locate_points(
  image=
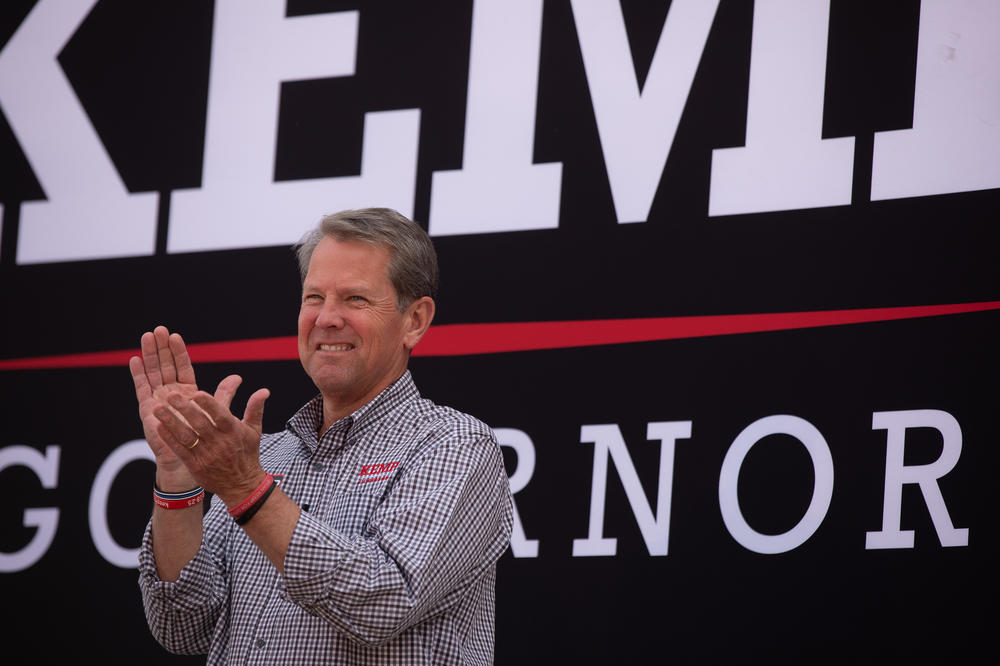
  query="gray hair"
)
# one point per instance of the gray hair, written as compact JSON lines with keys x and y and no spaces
{"x":413,"y":268}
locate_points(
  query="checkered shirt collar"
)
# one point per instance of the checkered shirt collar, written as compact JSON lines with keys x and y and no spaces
{"x":306,"y":422}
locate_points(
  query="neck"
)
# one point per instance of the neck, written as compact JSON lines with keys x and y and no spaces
{"x":336,"y":407}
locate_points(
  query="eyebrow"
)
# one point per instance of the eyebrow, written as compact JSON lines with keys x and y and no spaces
{"x":353,"y":286}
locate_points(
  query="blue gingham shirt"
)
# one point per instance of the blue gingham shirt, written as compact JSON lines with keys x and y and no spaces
{"x":406,"y":509}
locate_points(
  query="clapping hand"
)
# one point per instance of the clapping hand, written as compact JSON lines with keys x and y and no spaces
{"x":163,"y":370}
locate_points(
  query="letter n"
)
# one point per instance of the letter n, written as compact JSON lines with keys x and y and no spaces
{"x":655,"y":527}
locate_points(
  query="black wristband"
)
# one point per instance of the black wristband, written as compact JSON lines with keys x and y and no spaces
{"x":245,"y":517}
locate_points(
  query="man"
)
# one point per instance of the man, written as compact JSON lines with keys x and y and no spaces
{"x":380,"y":543}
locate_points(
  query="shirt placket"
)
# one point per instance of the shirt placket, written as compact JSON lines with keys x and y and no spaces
{"x":323,"y":467}
{"x":307,"y":481}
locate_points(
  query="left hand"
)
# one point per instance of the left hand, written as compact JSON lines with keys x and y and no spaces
{"x":226,"y":459}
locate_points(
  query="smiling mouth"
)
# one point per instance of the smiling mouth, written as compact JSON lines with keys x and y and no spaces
{"x":338,"y":347}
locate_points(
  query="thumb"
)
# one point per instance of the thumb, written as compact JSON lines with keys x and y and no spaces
{"x":253,"y":416}
{"x":227,"y":389}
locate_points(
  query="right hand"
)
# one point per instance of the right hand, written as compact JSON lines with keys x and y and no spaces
{"x":164,"y":368}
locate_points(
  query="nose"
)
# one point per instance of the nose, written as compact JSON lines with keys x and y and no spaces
{"x":330,"y":315}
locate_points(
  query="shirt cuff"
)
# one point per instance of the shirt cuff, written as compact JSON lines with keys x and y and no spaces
{"x":193,"y":585}
{"x":315,"y":553}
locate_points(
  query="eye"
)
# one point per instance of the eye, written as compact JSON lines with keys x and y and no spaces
{"x":312,"y":298}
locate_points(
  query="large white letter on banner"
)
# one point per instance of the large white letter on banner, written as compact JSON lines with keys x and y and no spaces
{"x":955,"y":140}
{"x":897,"y":474}
{"x":729,"y":501}
{"x":254,"y":49}
{"x":498,"y":188}
{"x":137,"y":449}
{"x":636,"y":127}
{"x":518,"y":440}
{"x":785,"y":164}
{"x":89,"y":214}
{"x":655,"y":528}
{"x":46,"y":467}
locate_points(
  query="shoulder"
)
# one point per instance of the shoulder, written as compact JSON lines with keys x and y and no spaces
{"x":440,"y":422}
{"x":447,"y":436}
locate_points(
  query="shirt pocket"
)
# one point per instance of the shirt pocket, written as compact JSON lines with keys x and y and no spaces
{"x":348,"y":513}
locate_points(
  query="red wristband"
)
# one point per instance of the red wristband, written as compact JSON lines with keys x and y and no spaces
{"x":254,"y":496}
{"x":178,"y":500}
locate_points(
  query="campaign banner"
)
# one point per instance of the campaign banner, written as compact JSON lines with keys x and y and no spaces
{"x":721,"y":275}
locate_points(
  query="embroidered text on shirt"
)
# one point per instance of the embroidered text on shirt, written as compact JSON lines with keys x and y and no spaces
{"x":376,"y":472}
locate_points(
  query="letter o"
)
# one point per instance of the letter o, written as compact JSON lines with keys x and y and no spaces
{"x":822,"y":462}
{"x":137,"y":449}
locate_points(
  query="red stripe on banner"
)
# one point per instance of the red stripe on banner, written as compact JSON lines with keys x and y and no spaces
{"x":260,"y":349}
{"x":467,"y":339}
{"x":462,"y":339}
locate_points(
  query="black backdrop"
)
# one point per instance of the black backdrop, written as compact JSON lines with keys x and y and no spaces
{"x":141,"y":73}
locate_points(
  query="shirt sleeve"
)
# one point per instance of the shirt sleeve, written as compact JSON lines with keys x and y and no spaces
{"x":183,"y":614}
{"x":437,"y":533}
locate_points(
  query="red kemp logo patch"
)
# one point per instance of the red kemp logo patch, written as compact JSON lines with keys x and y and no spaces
{"x":377,"y":472}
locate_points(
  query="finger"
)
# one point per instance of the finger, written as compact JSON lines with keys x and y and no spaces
{"x":150,"y":360}
{"x":168,"y":368}
{"x":180,"y":432}
{"x":181,"y":448}
{"x":227,"y":389}
{"x":253,"y":415}
{"x":195,"y":417}
{"x":182,"y":362}
{"x":218,"y":413}
{"x":143,"y":390}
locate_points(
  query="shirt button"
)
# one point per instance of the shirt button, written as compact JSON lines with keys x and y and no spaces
{"x":260,"y":642}
{"x":318,"y":467}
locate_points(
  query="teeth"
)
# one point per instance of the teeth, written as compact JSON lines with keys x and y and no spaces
{"x":341,"y":347}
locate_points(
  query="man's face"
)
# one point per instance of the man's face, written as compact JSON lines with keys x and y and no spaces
{"x":352,"y":337}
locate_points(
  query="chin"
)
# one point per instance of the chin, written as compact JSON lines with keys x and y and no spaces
{"x":330,"y":379}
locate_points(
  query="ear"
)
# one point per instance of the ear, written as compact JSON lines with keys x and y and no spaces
{"x":418,"y":318}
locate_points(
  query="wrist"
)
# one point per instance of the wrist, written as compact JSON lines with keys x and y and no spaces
{"x":246,"y":509}
{"x":173,"y":481}
{"x":233,"y":496}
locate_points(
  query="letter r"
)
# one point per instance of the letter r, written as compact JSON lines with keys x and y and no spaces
{"x":926,"y":477}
